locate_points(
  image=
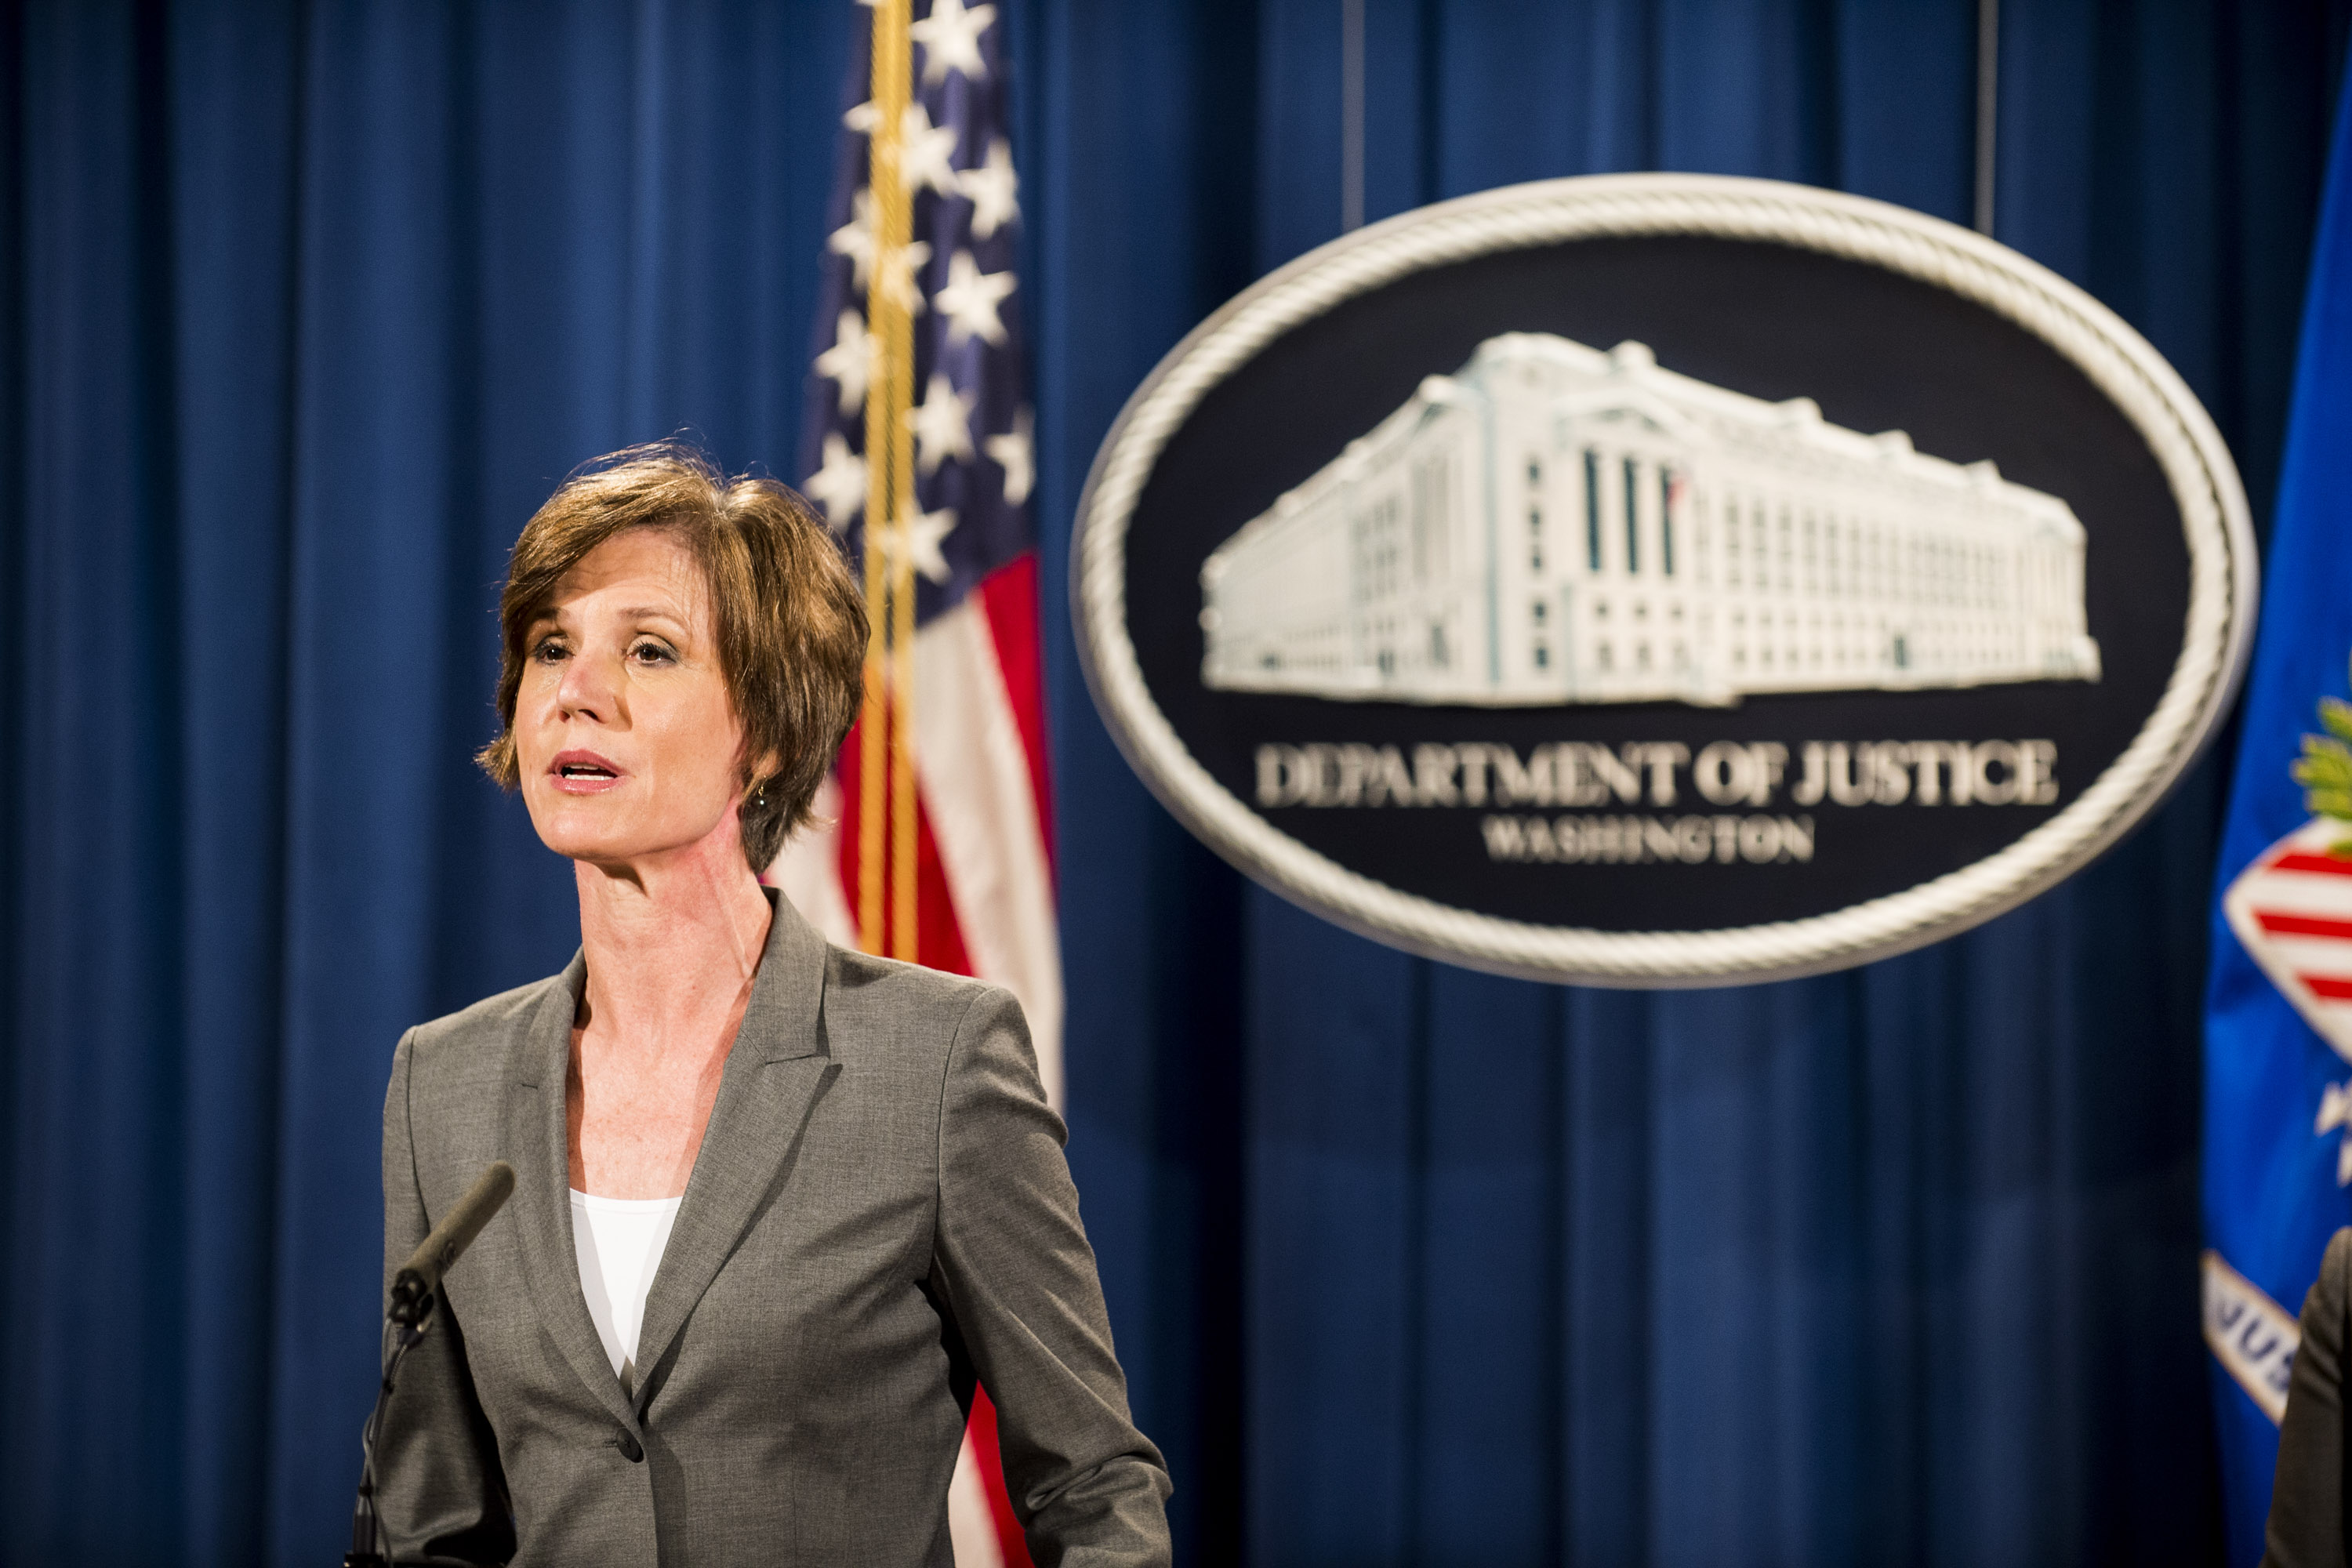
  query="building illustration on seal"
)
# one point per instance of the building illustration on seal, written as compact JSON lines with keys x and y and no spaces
{"x":1554,"y":524}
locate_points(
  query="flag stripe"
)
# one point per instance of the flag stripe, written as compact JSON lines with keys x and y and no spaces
{"x":2302,"y":925}
{"x":2325,"y":865}
{"x":2326,"y":898}
{"x":1010,"y":597}
{"x":940,"y":943}
{"x":2304,"y":956}
{"x":981,"y":1434}
{"x":979,"y":800}
{"x":808,"y":871}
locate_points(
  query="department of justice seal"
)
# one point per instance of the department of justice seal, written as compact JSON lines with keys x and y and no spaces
{"x":1662,"y":580}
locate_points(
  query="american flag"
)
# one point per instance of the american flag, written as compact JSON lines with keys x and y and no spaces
{"x":983,"y":900}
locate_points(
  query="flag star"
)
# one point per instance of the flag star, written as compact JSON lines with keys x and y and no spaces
{"x":969,"y":298}
{"x":926,"y":156}
{"x":855,"y":238}
{"x":992,"y":187}
{"x":950,"y":40}
{"x":1015,"y":452}
{"x":861,"y":118}
{"x":925,"y":532}
{"x":900,"y":271}
{"x":846,"y":363}
{"x":840,"y":485}
{"x":942,"y":425}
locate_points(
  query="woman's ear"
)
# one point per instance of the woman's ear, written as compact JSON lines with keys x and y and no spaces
{"x":761,"y":770}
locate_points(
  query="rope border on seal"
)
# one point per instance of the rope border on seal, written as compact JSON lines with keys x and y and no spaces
{"x":2116,"y":359}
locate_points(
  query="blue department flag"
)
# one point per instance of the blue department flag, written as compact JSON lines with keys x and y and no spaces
{"x":2278,"y":1031}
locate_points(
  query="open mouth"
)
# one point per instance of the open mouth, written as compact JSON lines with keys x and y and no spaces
{"x":583,"y":772}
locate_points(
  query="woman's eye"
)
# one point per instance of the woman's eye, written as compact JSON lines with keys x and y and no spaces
{"x":651,"y":653}
{"x":549,"y":650}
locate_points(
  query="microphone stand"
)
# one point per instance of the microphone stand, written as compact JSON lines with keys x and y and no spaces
{"x":406,"y":1316}
{"x":404,"y":1329}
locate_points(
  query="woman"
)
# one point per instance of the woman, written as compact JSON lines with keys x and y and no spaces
{"x":811,"y":1195}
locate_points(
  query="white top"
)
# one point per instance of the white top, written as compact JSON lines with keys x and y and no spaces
{"x":619,"y":1242}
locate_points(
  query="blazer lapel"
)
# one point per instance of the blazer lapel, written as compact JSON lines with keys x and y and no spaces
{"x":775,"y":1071}
{"x":543,"y":1196}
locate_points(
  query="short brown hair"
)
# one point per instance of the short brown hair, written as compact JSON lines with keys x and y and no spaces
{"x":791,"y":622}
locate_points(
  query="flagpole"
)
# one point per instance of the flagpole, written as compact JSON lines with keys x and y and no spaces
{"x":888,"y":397}
{"x":905,"y":505}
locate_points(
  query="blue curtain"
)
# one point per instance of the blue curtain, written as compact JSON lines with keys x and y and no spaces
{"x":306,"y":306}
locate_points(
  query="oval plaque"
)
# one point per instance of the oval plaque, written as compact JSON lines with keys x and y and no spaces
{"x":1662,"y":580}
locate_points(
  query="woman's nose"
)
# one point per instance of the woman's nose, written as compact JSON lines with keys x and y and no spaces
{"x":589,"y":688}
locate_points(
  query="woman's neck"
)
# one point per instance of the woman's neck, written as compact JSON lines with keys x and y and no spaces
{"x":671,"y":946}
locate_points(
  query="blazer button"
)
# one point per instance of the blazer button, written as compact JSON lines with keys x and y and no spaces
{"x":630,"y":1449}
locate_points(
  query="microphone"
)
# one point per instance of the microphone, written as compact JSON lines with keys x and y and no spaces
{"x":419,"y":1280}
{"x":413,"y":1290}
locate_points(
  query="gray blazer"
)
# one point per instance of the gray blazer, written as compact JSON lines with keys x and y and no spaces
{"x":878,"y":1215}
{"x":2306,"y":1523}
